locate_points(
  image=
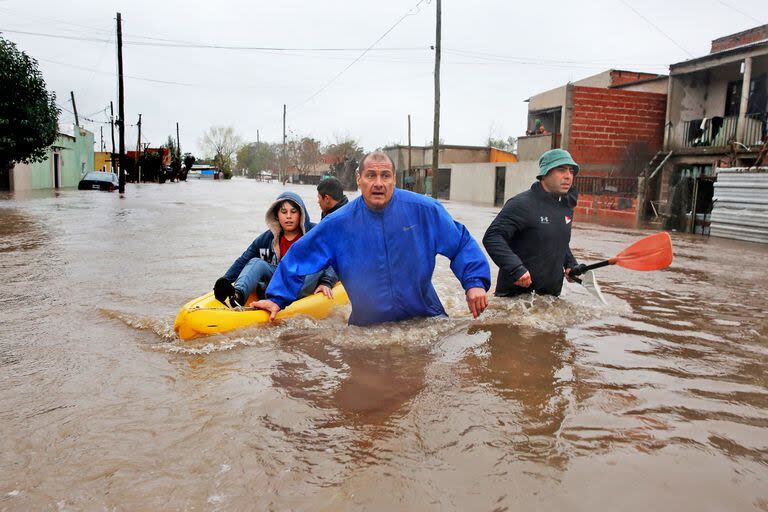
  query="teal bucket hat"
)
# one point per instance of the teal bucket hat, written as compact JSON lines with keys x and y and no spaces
{"x":555,"y":158}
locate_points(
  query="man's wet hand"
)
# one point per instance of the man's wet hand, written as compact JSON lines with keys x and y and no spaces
{"x":477,"y":301}
{"x":524,"y":281}
{"x":266,"y":305}
{"x":325,"y":290}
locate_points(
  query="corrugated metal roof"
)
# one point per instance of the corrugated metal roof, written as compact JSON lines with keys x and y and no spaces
{"x":741,"y":204}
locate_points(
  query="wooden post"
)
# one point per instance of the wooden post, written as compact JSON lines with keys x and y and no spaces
{"x":138,"y":149}
{"x":283,"y":167}
{"x":409,"y":148}
{"x":112,"y":127}
{"x":74,"y":107}
{"x":436,"y":130}
{"x":121,"y":102}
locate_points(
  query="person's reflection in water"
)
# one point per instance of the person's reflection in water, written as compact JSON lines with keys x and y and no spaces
{"x":359,"y":389}
{"x":532,"y":369}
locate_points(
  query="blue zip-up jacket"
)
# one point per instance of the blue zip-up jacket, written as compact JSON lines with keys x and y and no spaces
{"x":267,"y":245}
{"x":385,"y":259}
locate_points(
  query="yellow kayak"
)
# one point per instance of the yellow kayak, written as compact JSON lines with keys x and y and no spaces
{"x":206,"y":315}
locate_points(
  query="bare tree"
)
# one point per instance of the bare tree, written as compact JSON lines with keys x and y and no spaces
{"x":304,"y":154}
{"x":221,"y":143}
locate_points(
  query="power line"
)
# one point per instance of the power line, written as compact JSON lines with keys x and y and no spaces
{"x":410,"y":12}
{"x":657,"y":28}
{"x":740,"y":11}
{"x":180,"y":44}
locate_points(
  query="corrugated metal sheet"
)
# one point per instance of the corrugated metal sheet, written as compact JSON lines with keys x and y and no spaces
{"x":741,"y":204}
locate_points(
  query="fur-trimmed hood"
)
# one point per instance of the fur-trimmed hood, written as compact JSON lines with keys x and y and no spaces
{"x":274,"y":226}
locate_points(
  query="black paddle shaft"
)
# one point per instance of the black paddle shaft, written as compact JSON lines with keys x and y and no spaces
{"x":578,"y":271}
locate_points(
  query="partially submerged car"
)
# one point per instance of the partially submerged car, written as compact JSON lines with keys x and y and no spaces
{"x":97,"y":180}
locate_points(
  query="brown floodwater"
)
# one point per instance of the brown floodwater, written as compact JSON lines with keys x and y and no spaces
{"x":658,"y":400}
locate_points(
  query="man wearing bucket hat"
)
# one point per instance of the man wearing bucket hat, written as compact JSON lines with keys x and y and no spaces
{"x":529,"y":238}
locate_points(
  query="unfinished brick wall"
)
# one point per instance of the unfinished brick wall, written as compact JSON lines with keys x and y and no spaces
{"x":606,"y":122}
{"x":732,"y":41}
{"x":619,"y":77}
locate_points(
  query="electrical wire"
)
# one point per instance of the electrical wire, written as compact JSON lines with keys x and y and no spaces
{"x":657,"y":28}
{"x":410,"y":12}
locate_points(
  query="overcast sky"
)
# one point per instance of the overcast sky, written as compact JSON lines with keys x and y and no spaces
{"x":496,"y":53}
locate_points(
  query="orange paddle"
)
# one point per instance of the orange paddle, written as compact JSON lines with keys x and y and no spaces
{"x":650,"y":253}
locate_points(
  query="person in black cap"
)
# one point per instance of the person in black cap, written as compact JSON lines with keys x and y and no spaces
{"x":529,"y":239}
{"x":330,"y":196}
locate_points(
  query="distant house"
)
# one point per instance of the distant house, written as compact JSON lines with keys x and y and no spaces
{"x":419,"y":176}
{"x":716,"y":118}
{"x":68,"y":159}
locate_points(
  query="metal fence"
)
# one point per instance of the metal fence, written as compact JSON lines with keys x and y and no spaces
{"x":740,"y":206}
{"x":711,"y":132}
{"x":754,"y":129}
{"x":607,"y":185}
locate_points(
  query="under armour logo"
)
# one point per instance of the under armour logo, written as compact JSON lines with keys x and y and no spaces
{"x":544,"y":220}
{"x":408,"y":228}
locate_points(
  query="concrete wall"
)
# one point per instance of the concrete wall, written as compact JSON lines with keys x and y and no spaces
{"x":655,"y":86}
{"x":476,"y":183}
{"x":531,"y":147}
{"x":75,"y":158}
{"x":519,"y":178}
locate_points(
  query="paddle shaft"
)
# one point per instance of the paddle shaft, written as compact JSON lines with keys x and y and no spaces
{"x":599,"y":264}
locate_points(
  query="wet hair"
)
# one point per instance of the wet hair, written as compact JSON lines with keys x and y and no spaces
{"x":281,"y":203}
{"x":331,"y":187}
{"x":378,"y":155}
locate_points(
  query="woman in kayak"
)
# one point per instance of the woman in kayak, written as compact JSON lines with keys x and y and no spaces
{"x":287,"y":220}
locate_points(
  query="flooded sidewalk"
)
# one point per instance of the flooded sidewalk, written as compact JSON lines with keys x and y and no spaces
{"x":659,"y":398}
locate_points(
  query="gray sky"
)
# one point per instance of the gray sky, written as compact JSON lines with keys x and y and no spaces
{"x":495,"y":55}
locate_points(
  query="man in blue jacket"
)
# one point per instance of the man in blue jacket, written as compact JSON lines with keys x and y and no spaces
{"x":383,"y":246}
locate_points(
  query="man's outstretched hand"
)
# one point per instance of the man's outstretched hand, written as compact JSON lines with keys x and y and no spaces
{"x":266,"y":305}
{"x":477,"y":301}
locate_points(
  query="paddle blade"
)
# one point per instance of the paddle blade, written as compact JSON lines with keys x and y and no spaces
{"x":651,"y":253}
{"x":590,"y":283}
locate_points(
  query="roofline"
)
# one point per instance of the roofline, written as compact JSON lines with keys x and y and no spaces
{"x":730,"y":51}
{"x":636,"y":82}
{"x":439,"y":146}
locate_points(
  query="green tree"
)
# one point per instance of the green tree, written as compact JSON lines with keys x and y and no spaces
{"x":28,"y":112}
{"x":256,"y":157}
{"x":175,"y":158}
{"x":222,"y":143}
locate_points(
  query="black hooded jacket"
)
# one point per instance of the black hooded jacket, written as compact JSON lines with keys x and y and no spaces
{"x":531,"y":234}
{"x":338,"y":205}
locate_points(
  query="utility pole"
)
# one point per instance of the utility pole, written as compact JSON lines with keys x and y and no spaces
{"x":258,"y":141}
{"x":409,"y":149}
{"x":121,"y":102}
{"x":112,"y":126}
{"x":138,"y":148}
{"x":74,"y":107}
{"x":285,"y":154}
{"x":436,"y":131}
{"x":178,"y":143}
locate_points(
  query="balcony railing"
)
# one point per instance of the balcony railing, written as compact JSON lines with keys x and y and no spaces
{"x":721,"y":131}
{"x":609,"y":185}
{"x":710,"y":132}
{"x":754,"y":129}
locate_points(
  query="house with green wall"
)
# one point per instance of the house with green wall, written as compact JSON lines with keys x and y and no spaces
{"x":68,"y":159}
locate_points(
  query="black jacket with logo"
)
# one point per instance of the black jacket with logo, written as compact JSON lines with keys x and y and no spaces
{"x":531,"y":234}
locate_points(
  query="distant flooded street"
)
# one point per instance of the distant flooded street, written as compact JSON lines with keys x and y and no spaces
{"x":657,"y":401}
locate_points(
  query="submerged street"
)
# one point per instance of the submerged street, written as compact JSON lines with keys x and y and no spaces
{"x":540,"y":404}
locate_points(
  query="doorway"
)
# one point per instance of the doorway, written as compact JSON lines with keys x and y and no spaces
{"x":501,"y":176}
{"x":56,"y":170}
